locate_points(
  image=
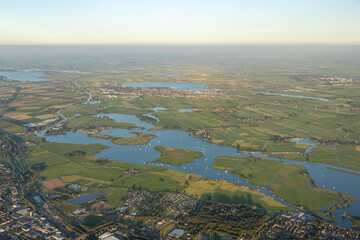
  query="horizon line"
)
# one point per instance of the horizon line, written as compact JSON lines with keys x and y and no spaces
{"x":174,"y":44}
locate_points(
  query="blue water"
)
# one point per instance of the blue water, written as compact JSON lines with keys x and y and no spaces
{"x":166,"y":74}
{"x":294,"y":96}
{"x":83,"y":199}
{"x":143,"y":154}
{"x":158,"y":109}
{"x":305,"y":141}
{"x":187,"y":110}
{"x":176,"y":86}
{"x":24,"y":76}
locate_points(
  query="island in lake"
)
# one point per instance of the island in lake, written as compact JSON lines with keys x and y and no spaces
{"x":176,"y":156}
{"x":140,"y":139}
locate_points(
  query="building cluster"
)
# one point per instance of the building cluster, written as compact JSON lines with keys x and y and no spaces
{"x":335,"y":232}
{"x":301,"y":226}
{"x":17,"y":220}
{"x":338,"y":81}
{"x":178,"y":202}
{"x":288,"y":226}
{"x":123,"y":232}
{"x":166,"y":216}
{"x":118,"y":233}
{"x":152,"y":203}
{"x":165,"y":208}
{"x":162,"y":212}
{"x":4,"y":171}
{"x":134,"y":92}
{"x":330,"y":81}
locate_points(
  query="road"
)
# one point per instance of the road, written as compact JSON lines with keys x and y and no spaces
{"x":46,"y":209}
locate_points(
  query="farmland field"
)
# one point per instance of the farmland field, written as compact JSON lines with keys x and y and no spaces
{"x":88,"y":122}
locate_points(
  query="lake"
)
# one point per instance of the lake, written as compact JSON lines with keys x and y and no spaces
{"x":83,"y":199}
{"x":167,"y":75}
{"x":187,"y":110}
{"x":142,"y":154}
{"x":177,"y":86}
{"x":294,"y":96}
{"x":24,"y":76}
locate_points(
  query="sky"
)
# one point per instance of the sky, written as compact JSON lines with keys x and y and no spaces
{"x":179,"y":21}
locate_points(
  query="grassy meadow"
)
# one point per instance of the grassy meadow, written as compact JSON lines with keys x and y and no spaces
{"x":287,"y":181}
{"x":176,"y":156}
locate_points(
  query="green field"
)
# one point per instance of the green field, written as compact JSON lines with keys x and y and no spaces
{"x":64,"y":149}
{"x":121,"y":177}
{"x":117,"y":196}
{"x":176,"y":156}
{"x":125,"y":110}
{"x":82,"y":109}
{"x":9,"y":127}
{"x":227,"y":192}
{"x":341,"y":155}
{"x":55,"y":171}
{"x":104,"y":174}
{"x":346,"y":156}
{"x":87,"y":122}
{"x":290,"y":182}
{"x":52,"y":160}
{"x":38,"y":154}
{"x":140,"y":139}
{"x":36,"y":102}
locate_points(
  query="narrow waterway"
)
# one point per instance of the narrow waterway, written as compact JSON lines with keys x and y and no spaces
{"x":294,"y":96}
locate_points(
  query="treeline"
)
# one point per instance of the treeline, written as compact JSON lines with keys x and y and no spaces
{"x":334,"y":141}
{"x":279,"y":139}
{"x":248,"y":149}
{"x":224,"y":198}
{"x":146,"y":118}
{"x":52,"y":132}
{"x":77,"y":153}
{"x":233,"y":220}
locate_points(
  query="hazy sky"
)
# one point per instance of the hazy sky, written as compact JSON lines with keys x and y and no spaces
{"x":179,"y":22}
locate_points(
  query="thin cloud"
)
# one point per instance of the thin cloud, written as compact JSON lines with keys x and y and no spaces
{"x":7,"y":13}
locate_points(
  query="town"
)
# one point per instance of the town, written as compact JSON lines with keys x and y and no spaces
{"x":163,"y":215}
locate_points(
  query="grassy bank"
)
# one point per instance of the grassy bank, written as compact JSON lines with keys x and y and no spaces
{"x":140,"y":139}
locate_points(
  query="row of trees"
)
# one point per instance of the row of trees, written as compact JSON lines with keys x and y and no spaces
{"x":234,"y":220}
